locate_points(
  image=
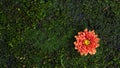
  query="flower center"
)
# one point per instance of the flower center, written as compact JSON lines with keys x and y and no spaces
{"x":86,"y":42}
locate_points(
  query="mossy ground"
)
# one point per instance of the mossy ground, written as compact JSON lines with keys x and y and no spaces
{"x":40,"y":33}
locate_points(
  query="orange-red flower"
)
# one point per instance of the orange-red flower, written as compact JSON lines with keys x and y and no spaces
{"x":86,"y":42}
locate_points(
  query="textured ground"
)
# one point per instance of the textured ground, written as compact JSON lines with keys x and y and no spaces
{"x":40,"y":33}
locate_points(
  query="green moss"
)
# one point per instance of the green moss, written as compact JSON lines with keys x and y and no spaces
{"x":40,"y":33}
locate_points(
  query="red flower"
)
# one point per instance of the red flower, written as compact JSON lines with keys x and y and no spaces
{"x":86,"y":42}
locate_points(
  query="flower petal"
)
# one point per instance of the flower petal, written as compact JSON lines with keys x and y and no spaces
{"x":83,"y":48}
